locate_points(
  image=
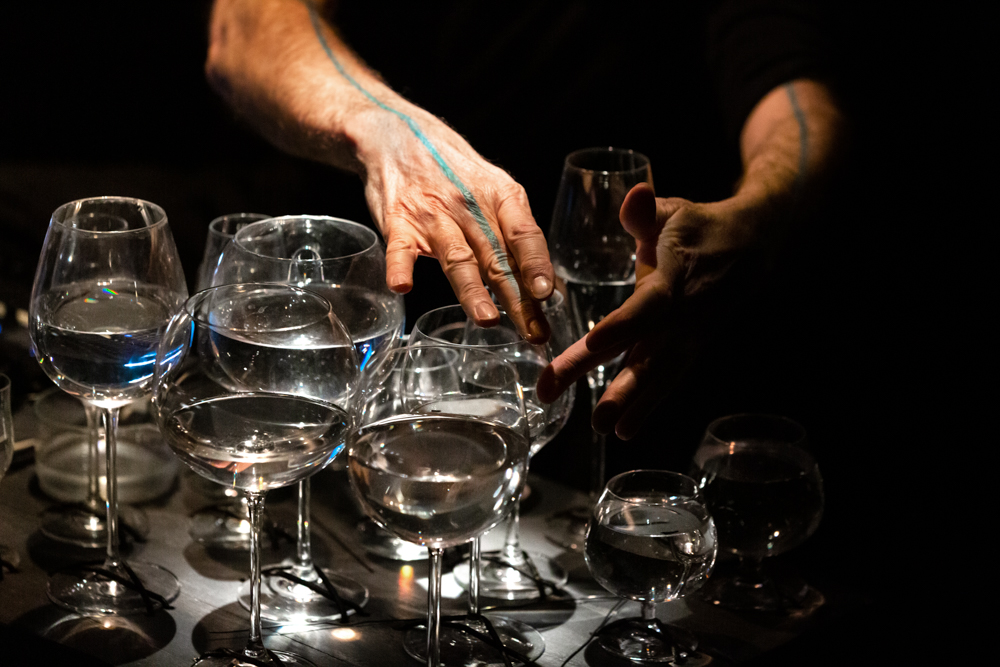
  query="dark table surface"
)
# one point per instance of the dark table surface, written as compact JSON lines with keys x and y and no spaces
{"x":206,"y":614}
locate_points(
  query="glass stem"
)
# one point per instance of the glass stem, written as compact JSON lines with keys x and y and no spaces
{"x":93,"y":501}
{"x":598,"y":383}
{"x":648,"y":611}
{"x":255,"y":505}
{"x":512,"y":553}
{"x":475,"y":566}
{"x":434,"y":607}
{"x":304,"y":541}
{"x":110,"y":423}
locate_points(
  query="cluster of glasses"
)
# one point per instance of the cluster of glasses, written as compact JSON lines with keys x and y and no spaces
{"x":290,"y":353}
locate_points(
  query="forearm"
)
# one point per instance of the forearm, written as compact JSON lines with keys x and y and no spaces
{"x":267,"y":61}
{"x":789,"y":146}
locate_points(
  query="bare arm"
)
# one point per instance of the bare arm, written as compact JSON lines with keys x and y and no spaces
{"x":288,"y":73}
{"x":685,"y":253}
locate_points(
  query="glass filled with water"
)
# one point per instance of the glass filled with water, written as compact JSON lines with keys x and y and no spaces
{"x":650,"y":539}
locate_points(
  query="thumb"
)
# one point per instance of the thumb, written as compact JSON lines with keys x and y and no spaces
{"x":638,"y":216}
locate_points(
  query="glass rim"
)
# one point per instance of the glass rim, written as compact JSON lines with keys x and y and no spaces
{"x":197,"y":297}
{"x":798,"y":441}
{"x":695,"y":491}
{"x":260,"y":224}
{"x":161,"y":215}
{"x":572,"y":158}
{"x":217,"y":222}
{"x":556,"y":294}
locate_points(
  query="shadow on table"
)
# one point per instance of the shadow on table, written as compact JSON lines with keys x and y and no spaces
{"x":116,"y":640}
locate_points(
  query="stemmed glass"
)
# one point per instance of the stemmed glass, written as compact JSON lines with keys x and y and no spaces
{"x":765,"y":491}
{"x":345,"y":263}
{"x":241,"y":380}
{"x":8,"y":557}
{"x":594,"y":257}
{"x":108,"y":281}
{"x":514,"y":575}
{"x":650,"y":539}
{"x":439,"y":456}
{"x":227,"y":523}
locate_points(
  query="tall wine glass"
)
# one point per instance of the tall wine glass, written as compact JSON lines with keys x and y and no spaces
{"x":226,"y":524}
{"x":594,"y":257}
{"x":344,"y":262}
{"x":241,"y":377}
{"x":766,"y":493}
{"x":650,"y":539}
{"x":8,"y":556}
{"x":108,"y":281}
{"x":510,"y":576}
{"x":439,"y":456}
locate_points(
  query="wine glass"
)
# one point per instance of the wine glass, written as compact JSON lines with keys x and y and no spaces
{"x":345,"y":263}
{"x":512,"y":575}
{"x":8,"y":557}
{"x":108,"y":281}
{"x":650,"y":539}
{"x":765,"y":491}
{"x":227,"y":523}
{"x":241,"y":380}
{"x":594,"y":258}
{"x":439,"y":455}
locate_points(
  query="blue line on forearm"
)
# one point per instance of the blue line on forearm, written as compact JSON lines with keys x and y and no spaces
{"x":470,"y":200}
{"x":800,"y":118}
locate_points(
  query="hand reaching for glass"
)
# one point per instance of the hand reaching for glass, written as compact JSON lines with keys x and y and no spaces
{"x":684,"y":253}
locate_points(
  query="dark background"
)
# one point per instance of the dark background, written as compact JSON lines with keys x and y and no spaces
{"x":103,"y":99}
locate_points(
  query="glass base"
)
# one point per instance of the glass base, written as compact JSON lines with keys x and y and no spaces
{"x":379,"y":542}
{"x":568,"y":529}
{"x":225,"y":526}
{"x":237,"y":660}
{"x":642,"y":642}
{"x":85,"y":525}
{"x":461,"y":649}
{"x":499,"y":579}
{"x":91,"y":593}
{"x":786,"y":595}
{"x":285,"y":601}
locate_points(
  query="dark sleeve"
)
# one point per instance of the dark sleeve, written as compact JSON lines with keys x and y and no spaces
{"x":756,"y":45}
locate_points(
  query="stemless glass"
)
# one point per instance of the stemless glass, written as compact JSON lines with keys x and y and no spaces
{"x":511,"y":576}
{"x":765,"y":492}
{"x":241,"y":380}
{"x":650,"y":539}
{"x":8,"y":557}
{"x":108,"y":281}
{"x":226,"y":524}
{"x":345,"y":263}
{"x":439,"y":455}
{"x":594,"y":257}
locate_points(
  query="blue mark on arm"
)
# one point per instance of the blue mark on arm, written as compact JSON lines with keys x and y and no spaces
{"x":800,"y":118}
{"x":470,"y":201}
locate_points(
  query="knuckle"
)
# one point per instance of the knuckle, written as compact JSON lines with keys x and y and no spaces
{"x":456,"y":254}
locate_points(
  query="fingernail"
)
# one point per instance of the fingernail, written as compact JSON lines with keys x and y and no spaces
{"x":536,"y":331}
{"x":541,"y":287}
{"x":486,"y":311}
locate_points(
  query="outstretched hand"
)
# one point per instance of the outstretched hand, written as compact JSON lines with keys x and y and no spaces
{"x":432,"y":194}
{"x":683,"y":252}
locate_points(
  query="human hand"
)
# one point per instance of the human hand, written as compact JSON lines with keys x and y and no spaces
{"x":434,"y":195}
{"x":684,"y":251}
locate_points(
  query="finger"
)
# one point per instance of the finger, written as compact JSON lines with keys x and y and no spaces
{"x":502,"y":273}
{"x":654,"y":384}
{"x":401,"y":252}
{"x":649,"y":374}
{"x":461,"y":268}
{"x":527,"y":245}
{"x":645,"y":311}
{"x":569,"y":367}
